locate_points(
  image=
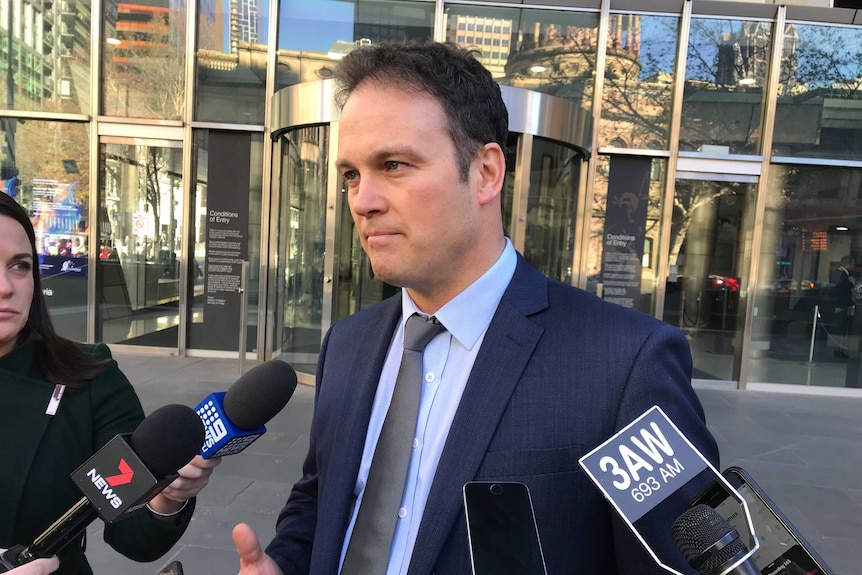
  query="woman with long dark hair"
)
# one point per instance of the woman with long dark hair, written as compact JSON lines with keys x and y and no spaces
{"x":60,"y":401}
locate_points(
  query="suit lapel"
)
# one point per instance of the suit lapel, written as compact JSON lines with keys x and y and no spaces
{"x":357,"y":378}
{"x":506,"y":350}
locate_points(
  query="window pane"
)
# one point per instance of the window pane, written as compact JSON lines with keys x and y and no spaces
{"x":143,"y":61}
{"x":710,"y":253}
{"x":302,"y":213}
{"x":819,"y":112}
{"x":231,"y":62}
{"x":547,"y":51}
{"x":725,"y":74}
{"x":313,"y":36}
{"x":636,"y":102}
{"x":804,"y":300}
{"x":49,"y":67}
{"x":474,"y":18}
{"x":140,"y":236}
{"x":47,"y":172}
{"x":551,"y":209}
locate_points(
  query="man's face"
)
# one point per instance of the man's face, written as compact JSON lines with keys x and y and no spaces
{"x":417,"y":221}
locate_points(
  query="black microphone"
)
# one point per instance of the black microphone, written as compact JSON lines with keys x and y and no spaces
{"x":120,"y":478}
{"x":710,"y":544}
{"x":234,"y":419}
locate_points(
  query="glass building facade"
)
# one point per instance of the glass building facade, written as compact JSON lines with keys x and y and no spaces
{"x":697,"y":160}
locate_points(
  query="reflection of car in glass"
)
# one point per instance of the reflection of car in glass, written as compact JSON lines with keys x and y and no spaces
{"x":714,"y":281}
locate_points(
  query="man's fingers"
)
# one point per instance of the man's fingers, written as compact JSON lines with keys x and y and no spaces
{"x":247,"y":544}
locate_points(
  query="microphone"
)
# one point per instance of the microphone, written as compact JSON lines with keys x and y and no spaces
{"x":120,"y":478}
{"x":710,"y":544}
{"x":236,"y":418}
{"x":641,"y":466}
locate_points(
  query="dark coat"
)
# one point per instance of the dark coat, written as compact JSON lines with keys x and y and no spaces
{"x":559,"y":372}
{"x":39,"y":451}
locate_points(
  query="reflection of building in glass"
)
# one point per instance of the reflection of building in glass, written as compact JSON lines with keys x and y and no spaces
{"x":244,"y":23}
{"x":492,"y":36}
{"x":140,"y":28}
{"x":46,"y":34}
{"x":143,"y":74}
{"x":383,"y":21}
{"x":743,"y":56}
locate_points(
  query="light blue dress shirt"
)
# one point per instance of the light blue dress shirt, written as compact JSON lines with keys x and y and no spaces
{"x":448,"y":360}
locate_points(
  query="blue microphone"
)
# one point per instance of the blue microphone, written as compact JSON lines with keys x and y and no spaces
{"x":235,"y":419}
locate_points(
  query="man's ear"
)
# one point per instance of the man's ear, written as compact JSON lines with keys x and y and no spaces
{"x":490,"y":166}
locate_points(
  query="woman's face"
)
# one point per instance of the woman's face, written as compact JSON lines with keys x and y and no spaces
{"x":16,"y":282}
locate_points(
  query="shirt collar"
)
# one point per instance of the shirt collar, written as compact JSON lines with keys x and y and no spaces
{"x":469,"y":314}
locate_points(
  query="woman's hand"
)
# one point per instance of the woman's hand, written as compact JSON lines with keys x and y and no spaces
{"x":36,"y":567}
{"x":194,"y":476}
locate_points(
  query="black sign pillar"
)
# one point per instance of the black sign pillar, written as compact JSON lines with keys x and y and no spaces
{"x":625,"y":228}
{"x":226,"y":237}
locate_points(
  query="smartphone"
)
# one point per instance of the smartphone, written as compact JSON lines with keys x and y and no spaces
{"x":501,"y":528}
{"x":783,"y":550}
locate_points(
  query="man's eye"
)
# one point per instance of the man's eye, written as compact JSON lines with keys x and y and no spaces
{"x":393,"y":165}
{"x":350,"y":175}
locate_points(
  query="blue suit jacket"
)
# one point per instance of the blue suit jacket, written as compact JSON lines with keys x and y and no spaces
{"x":559,"y":372}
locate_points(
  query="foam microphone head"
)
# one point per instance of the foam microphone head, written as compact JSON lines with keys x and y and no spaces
{"x":708,"y":542}
{"x":168,"y":439}
{"x":259,"y":394}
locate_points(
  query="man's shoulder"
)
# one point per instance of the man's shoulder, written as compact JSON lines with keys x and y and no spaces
{"x":583,"y":302}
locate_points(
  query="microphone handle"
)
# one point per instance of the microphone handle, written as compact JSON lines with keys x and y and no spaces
{"x":9,"y":558}
{"x":61,"y":533}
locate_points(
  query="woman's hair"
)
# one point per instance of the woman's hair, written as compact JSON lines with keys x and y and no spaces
{"x":58,"y":359}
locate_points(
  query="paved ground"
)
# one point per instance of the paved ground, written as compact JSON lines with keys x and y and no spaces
{"x":803,"y":449}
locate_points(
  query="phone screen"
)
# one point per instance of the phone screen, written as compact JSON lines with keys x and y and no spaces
{"x":502,"y":529}
{"x":781,"y":552}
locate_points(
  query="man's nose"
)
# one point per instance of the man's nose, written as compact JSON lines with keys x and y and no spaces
{"x":368,"y":197}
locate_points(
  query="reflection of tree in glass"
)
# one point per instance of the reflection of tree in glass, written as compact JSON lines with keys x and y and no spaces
{"x":41,"y":149}
{"x":144,"y":72}
{"x":688,"y":199}
{"x":820,"y":101}
{"x":726,"y":71}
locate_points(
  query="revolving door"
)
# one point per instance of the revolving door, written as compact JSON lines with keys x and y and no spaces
{"x":319,"y":271}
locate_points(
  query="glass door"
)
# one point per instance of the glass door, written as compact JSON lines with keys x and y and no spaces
{"x":300,"y":236}
{"x":710,"y":248}
{"x":140,"y":240}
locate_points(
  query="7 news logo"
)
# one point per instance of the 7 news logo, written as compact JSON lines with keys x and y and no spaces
{"x":104,"y":484}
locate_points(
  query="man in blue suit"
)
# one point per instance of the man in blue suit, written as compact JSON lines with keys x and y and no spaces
{"x":529,"y":376}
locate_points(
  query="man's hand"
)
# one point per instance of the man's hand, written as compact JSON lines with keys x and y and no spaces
{"x":252,"y":559}
{"x":194,"y":476}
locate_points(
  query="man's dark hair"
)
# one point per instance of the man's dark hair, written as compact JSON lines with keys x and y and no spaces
{"x":466,"y":91}
{"x":60,"y":360}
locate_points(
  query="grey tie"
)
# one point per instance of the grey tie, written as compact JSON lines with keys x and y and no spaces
{"x":370,"y":543}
